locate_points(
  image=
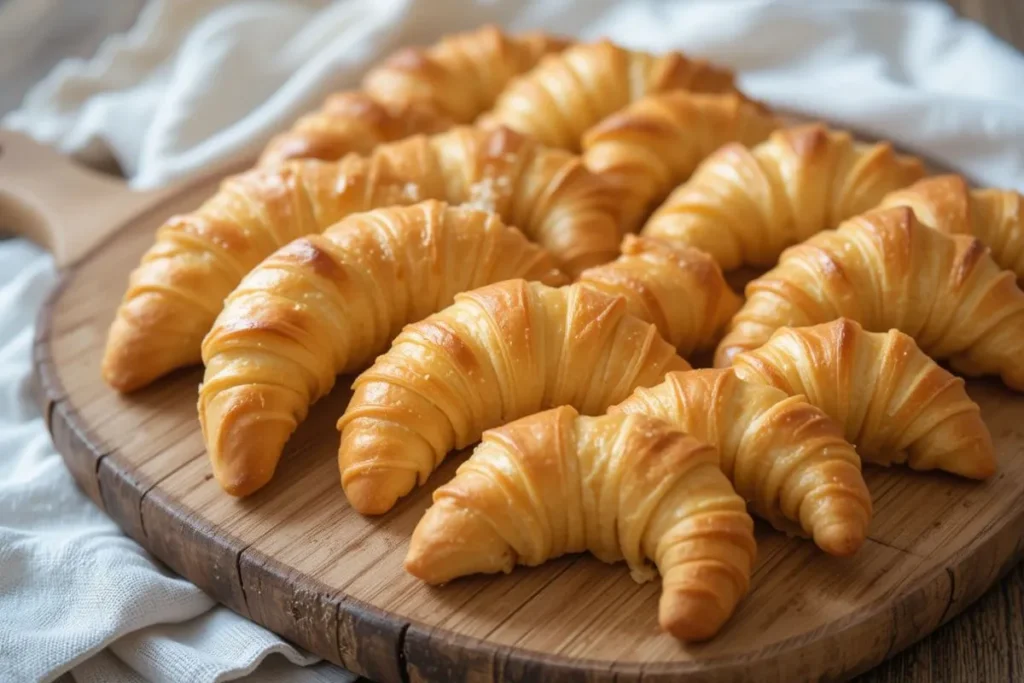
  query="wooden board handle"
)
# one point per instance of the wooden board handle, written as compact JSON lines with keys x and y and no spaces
{"x":62,"y":206}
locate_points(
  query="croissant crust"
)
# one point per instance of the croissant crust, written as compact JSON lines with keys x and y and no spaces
{"x":656,"y":143}
{"x":948,"y":204}
{"x":328,"y":304}
{"x":199,"y":258}
{"x":498,"y":353}
{"x":894,"y":402}
{"x":682,"y":291}
{"x":567,"y":93}
{"x":622,"y":487}
{"x":414,"y":91}
{"x":886,"y":270}
{"x":745,"y":206}
{"x":784,"y":456}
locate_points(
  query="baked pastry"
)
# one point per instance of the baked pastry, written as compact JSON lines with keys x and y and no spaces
{"x":894,"y":402}
{"x":948,"y":204}
{"x":567,"y":93}
{"x":784,"y":456}
{"x":329,"y":304}
{"x":179,"y":288}
{"x":745,"y":206}
{"x":415,"y":90}
{"x":886,"y":270}
{"x":657,"y":142}
{"x":498,"y":353}
{"x":620,"y":486}
{"x":679,"y":289}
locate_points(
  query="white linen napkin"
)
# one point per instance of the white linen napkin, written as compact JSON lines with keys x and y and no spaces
{"x":197,"y":84}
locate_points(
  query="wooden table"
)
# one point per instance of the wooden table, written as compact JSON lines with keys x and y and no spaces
{"x":1005,"y":18}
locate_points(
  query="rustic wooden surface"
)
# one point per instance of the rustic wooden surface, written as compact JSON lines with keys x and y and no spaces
{"x":986,"y":643}
{"x":295,"y":558}
{"x":1005,"y":18}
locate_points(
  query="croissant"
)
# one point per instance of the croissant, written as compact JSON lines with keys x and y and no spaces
{"x":179,"y":288}
{"x":655,"y":143}
{"x":783,"y":455}
{"x":328,"y":304}
{"x":414,"y":91}
{"x":568,"y":93}
{"x":621,"y":486}
{"x":498,"y":353}
{"x":894,"y":402}
{"x":886,"y":270}
{"x":681,"y":290}
{"x":745,"y":206}
{"x":995,"y":217}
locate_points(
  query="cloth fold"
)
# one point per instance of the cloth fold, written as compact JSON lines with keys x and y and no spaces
{"x":199,"y":84}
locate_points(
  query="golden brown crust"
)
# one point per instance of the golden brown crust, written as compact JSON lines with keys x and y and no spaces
{"x":414,"y":91}
{"x":886,"y":270}
{"x":657,"y":142}
{"x":894,"y":402}
{"x":784,"y":456}
{"x":948,"y":204}
{"x":328,"y":304}
{"x":568,"y":93}
{"x":498,"y":353}
{"x":621,"y":487}
{"x":679,"y":289}
{"x":178,"y":290}
{"x":745,"y":206}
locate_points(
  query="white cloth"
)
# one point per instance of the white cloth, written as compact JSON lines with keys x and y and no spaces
{"x":196,"y":84}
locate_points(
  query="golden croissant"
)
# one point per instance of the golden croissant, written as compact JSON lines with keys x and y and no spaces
{"x":176,"y":293}
{"x":679,"y":289}
{"x":498,"y":353}
{"x":948,"y":204}
{"x":887,"y":270}
{"x":569,"y":92}
{"x":745,"y":206}
{"x":328,"y":304}
{"x":783,"y":455}
{"x":415,"y":90}
{"x":894,"y":402}
{"x":657,"y":142}
{"x":620,"y":486}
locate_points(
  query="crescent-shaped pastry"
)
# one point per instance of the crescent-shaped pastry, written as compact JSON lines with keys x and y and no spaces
{"x":179,"y":288}
{"x":787,"y":458}
{"x":620,"y":486}
{"x":328,"y":304}
{"x":681,"y":290}
{"x":415,"y":90}
{"x":657,"y":142}
{"x":948,"y":204}
{"x":894,"y":402}
{"x":886,"y":270}
{"x":745,"y":206}
{"x":498,"y":353}
{"x":567,"y":93}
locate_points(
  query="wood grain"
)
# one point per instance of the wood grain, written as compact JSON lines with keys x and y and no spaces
{"x":1004,"y":18}
{"x":297,"y":559}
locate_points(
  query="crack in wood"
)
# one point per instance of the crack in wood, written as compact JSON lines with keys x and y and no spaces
{"x":403,"y":663}
{"x":952,"y":593}
{"x":241,"y":582}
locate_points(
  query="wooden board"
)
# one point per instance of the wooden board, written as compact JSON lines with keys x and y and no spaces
{"x":298,"y":560}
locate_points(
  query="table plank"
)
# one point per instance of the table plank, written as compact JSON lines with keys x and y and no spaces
{"x":1004,"y":18}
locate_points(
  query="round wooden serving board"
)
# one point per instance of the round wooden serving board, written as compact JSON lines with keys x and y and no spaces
{"x":295,"y":558}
